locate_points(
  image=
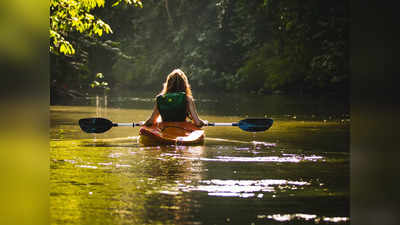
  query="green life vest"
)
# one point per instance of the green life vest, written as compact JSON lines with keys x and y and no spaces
{"x":172,"y":106}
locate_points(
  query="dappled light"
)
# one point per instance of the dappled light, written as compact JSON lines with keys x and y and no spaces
{"x":199,"y":112}
{"x":294,"y":172}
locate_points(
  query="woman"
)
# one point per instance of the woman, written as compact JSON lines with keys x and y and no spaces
{"x":175,"y":101}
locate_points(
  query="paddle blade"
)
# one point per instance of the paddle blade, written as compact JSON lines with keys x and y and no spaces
{"x":255,"y":124}
{"x":95,"y":125}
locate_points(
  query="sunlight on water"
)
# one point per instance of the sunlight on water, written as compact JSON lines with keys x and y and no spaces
{"x":234,"y":177}
{"x":285,"y":159}
{"x":301,"y":216}
{"x":260,"y":143}
{"x":237,"y":188}
{"x":335,"y":219}
{"x":253,"y":143}
{"x":86,"y":166}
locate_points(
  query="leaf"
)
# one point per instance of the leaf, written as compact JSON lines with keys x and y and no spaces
{"x":99,"y":75}
{"x":89,"y":17}
{"x":107,"y":28}
{"x":74,"y":15}
{"x":115,"y":4}
{"x":62,"y":48}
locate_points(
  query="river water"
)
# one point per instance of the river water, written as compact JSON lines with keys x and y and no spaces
{"x":297,"y":172}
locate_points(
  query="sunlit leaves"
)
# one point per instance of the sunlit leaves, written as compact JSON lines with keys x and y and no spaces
{"x":60,"y":43}
{"x":99,"y":83}
{"x":137,"y":3}
{"x":99,"y":75}
{"x":67,"y":48}
{"x":68,"y":16}
{"x":115,"y":4}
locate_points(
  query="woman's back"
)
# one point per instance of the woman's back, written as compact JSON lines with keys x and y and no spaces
{"x":175,"y":101}
{"x":172,"y":106}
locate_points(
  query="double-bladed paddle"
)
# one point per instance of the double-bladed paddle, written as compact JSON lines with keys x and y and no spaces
{"x":101,"y":125}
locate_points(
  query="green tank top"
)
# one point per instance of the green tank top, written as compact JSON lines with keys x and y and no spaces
{"x":172,"y":106}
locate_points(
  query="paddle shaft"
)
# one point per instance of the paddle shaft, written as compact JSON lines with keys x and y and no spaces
{"x":127,"y":124}
{"x":101,"y":125}
{"x":222,"y":124}
{"x":209,"y":124}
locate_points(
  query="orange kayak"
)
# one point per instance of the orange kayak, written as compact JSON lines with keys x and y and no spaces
{"x":165,"y":133}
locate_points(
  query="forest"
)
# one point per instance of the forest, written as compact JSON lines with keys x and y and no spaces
{"x":260,"y":46}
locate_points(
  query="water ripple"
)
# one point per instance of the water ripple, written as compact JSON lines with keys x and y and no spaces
{"x":302,"y":216}
{"x":237,"y":188}
{"x":281,"y":159}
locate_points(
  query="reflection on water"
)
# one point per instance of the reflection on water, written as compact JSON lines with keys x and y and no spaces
{"x":293,"y":159}
{"x":238,"y":188}
{"x":296,"y":172}
{"x":307,"y":217}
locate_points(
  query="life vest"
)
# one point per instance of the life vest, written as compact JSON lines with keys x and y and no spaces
{"x":172,"y":106}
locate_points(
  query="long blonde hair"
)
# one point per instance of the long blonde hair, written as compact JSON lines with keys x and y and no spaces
{"x":177,"y":82}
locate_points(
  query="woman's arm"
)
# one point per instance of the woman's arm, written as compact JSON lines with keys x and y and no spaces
{"x":154,"y":116}
{"x":192,"y":110}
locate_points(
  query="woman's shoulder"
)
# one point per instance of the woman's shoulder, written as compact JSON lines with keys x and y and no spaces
{"x":189,"y":98}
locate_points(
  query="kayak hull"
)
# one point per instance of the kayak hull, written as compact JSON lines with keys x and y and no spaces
{"x":171,"y":133}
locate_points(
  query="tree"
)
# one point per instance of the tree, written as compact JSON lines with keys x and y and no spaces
{"x":72,"y":16}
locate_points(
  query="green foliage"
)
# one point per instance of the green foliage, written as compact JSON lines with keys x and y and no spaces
{"x":312,"y":37}
{"x":266,"y":71}
{"x":260,"y":46}
{"x":99,"y":83}
{"x":67,"y":16}
{"x":137,"y":3}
